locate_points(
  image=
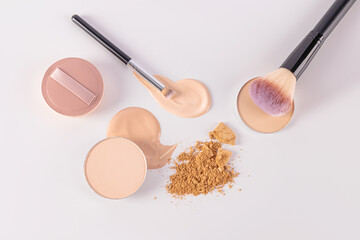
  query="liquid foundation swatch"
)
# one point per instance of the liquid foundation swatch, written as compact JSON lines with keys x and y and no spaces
{"x":191,"y":98}
{"x":141,"y":127}
{"x":257,"y":119}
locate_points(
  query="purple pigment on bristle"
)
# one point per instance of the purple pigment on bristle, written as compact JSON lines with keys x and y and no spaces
{"x":268,"y":98}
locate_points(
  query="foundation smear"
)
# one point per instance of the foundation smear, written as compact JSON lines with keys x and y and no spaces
{"x":257,"y":119}
{"x":204,"y":167}
{"x":141,"y":127}
{"x":191,"y":99}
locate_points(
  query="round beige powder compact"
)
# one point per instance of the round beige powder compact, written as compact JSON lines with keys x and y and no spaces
{"x":257,"y":119}
{"x":72,"y":87}
{"x":115,"y":168}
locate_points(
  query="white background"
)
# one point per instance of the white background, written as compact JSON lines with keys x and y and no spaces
{"x":300,"y":183}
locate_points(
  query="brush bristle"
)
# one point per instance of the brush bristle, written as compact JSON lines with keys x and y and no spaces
{"x":274,"y":93}
{"x":168,"y":93}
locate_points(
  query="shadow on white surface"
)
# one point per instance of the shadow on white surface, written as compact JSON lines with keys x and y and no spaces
{"x":154,"y":179}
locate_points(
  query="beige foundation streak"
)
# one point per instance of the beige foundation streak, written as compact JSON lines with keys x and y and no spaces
{"x":191,"y":98}
{"x":141,"y":127}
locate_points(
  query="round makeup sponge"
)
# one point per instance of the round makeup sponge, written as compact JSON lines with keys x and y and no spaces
{"x":72,"y":87}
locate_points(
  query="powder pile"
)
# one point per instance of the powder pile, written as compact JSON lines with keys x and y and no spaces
{"x":204,"y":167}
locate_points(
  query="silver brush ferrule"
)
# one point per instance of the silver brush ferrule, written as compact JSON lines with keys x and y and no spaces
{"x":148,"y":77}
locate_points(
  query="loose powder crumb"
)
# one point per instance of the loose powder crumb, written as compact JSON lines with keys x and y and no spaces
{"x":202,"y":169}
{"x":222,"y":157}
{"x":223,"y":134}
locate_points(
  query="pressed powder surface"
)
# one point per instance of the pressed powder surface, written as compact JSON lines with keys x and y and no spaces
{"x":64,"y":101}
{"x":255,"y":118}
{"x":115,"y":168}
{"x":141,"y":127}
{"x":191,"y":98}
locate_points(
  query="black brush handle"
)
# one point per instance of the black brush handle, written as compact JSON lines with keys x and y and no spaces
{"x":301,"y":57}
{"x":101,"y":39}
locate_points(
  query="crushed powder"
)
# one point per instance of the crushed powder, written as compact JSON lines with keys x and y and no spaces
{"x":202,"y":169}
{"x":222,"y":157}
{"x":223,"y":134}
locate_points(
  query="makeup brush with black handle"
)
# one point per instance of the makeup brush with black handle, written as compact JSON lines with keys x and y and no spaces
{"x":274,"y":92}
{"x":166,"y":92}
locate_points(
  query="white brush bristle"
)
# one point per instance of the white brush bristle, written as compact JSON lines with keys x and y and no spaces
{"x":274,"y":92}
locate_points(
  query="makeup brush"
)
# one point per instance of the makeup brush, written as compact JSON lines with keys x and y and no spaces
{"x":274,"y":92}
{"x":166,"y":92}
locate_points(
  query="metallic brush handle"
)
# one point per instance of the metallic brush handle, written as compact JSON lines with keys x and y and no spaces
{"x":148,"y":77}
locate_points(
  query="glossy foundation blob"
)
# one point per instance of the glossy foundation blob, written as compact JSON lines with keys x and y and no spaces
{"x":191,"y":98}
{"x":141,"y":127}
{"x":115,"y":168}
{"x":257,"y":119}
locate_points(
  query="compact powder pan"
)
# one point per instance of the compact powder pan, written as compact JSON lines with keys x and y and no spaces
{"x":72,"y":87}
{"x":257,"y":119}
{"x":115,"y":168}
